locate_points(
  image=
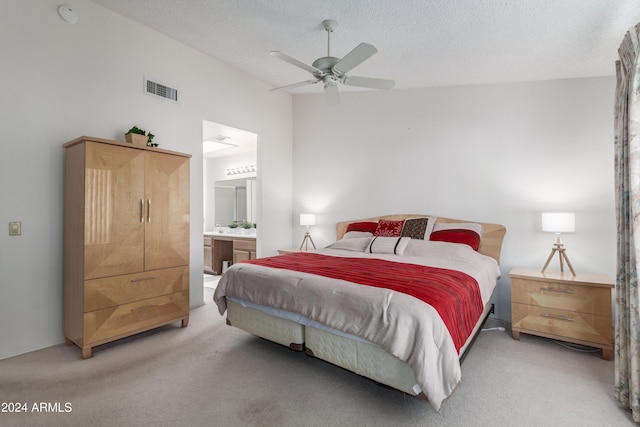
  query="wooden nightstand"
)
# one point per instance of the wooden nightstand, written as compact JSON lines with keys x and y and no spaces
{"x":558,"y":305}
{"x":291,"y":250}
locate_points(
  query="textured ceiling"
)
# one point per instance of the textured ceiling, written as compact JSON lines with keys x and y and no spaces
{"x":420,"y":43}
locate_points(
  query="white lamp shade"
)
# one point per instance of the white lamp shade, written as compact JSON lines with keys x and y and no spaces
{"x":307,"y":219}
{"x":559,"y":222}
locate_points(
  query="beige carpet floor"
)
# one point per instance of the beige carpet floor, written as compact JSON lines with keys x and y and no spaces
{"x":211,"y":374}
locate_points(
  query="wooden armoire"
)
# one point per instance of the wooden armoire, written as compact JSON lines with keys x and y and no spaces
{"x":126,"y":240}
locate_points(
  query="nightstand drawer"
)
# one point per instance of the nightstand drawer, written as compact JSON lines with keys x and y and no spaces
{"x":288,"y":251}
{"x":562,"y":323}
{"x":563,"y":296}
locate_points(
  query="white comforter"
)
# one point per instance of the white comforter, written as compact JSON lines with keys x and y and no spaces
{"x":404,"y":326}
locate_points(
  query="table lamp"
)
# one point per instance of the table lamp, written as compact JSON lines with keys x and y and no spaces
{"x":558,"y":223}
{"x":307,"y":219}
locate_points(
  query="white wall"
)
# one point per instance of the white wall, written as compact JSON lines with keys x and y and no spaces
{"x":60,"y":81}
{"x":491,"y":153}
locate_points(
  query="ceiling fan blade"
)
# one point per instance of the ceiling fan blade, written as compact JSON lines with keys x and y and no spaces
{"x":357,"y":56}
{"x":294,"y":61}
{"x":369,"y":82}
{"x":294,"y":85}
{"x":332,"y":94}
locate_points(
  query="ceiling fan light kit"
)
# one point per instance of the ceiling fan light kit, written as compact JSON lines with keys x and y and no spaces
{"x":331,"y":70}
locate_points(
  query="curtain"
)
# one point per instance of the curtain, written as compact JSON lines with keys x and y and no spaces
{"x":627,"y":181}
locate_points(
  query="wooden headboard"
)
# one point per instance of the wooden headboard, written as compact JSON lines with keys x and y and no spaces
{"x":490,"y":242}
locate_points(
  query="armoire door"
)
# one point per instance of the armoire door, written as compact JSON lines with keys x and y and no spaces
{"x":113,"y":227}
{"x":167,"y":211}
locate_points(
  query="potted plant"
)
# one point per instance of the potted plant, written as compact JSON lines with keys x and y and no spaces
{"x":135,"y":135}
{"x":150,"y":143}
{"x":246,"y":225}
{"x":233,"y":227}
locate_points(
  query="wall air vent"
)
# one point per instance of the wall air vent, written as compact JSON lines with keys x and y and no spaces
{"x":161,"y":90}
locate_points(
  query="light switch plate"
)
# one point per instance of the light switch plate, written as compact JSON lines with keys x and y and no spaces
{"x":15,"y":228}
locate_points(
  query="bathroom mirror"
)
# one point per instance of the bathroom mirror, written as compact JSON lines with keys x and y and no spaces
{"x":235,"y":200}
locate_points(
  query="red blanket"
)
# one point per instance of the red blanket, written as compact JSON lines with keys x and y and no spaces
{"x":453,"y":294}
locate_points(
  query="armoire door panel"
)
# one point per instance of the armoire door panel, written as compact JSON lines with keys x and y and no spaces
{"x":114,"y":233}
{"x":167,"y":221}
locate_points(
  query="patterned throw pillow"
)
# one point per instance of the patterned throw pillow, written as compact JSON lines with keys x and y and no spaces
{"x":389,"y":228}
{"x":416,"y":228}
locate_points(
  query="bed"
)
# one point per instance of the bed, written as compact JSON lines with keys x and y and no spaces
{"x":398,"y":299}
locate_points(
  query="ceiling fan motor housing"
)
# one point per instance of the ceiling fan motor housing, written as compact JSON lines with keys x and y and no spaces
{"x":325,"y":64}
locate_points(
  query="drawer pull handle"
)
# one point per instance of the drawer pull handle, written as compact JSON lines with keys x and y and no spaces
{"x":141,"y":210}
{"x":564,"y":291}
{"x":142,"y":279}
{"x":569,"y":319}
{"x":142,"y":308}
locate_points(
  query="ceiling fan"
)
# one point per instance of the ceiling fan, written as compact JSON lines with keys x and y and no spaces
{"x":330,"y":70}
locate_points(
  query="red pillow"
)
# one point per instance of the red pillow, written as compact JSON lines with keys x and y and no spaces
{"x":389,"y":228}
{"x":367,"y":226}
{"x":457,"y":235}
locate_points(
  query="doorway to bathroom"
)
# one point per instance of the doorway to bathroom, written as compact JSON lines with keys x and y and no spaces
{"x":230,"y":194}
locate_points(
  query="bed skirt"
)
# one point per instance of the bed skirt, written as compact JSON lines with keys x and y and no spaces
{"x":352,"y":353}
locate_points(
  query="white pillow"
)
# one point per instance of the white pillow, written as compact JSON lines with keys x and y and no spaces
{"x":357,"y":244}
{"x":355,"y":234}
{"x":388,"y":245}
